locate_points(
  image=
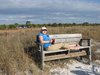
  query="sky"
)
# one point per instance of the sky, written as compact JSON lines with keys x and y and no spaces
{"x":49,"y":11}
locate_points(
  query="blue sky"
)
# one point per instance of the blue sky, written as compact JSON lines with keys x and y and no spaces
{"x":49,"y":11}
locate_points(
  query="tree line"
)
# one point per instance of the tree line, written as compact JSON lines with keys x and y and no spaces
{"x":28,"y":24}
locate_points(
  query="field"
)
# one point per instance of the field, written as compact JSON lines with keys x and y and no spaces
{"x":17,"y":47}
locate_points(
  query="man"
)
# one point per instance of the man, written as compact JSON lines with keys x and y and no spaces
{"x":43,"y":38}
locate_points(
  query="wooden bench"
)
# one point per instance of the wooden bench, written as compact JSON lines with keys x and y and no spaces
{"x":84,"y":48}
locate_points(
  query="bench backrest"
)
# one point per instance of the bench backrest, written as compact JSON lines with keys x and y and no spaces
{"x":66,"y":38}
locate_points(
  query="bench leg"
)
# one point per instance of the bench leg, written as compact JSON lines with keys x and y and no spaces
{"x":42,"y":57}
{"x":87,"y":58}
{"x":90,"y":56}
{"x":42,"y":61}
{"x":81,"y":57}
{"x":90,"y":53}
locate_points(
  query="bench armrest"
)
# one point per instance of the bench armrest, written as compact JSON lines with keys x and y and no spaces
{"x":88,"y":42}
{"x":40,"y":46}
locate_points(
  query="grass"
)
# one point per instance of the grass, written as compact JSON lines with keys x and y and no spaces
{"x":12,"y":52}
{"x":17,"y":52}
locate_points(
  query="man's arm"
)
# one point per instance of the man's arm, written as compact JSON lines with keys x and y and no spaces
{"x":42,"y":41}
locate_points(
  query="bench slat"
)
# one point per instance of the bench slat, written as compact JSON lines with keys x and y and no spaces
{"x":67,"y":40}
{"x":66,"y":37}
{"x":62,"y":56}
{"x":54,"y":51}
{"x":83,"y":47}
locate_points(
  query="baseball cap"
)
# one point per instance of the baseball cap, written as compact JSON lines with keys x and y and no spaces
{"x":43,"y":28}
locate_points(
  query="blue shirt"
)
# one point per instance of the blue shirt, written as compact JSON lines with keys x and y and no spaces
{"x":45,"y":38}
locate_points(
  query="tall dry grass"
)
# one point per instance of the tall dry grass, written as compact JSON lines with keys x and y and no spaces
{"x":17,"y":52}
{"x":13,"y":52}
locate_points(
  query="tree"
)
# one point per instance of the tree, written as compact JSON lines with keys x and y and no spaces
{"x":11,"y":26}
{"x":16,"y":24}
{"x":28,"y":23}
{"x":85,"y":23}
{"x":3,"y":26}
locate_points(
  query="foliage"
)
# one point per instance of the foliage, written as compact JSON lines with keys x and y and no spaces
{"x":3,"y":26}
{"x":30,"y":25}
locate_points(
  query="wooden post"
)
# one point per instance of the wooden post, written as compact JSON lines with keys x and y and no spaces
{"x":90,"y":52}
{"x":42,"y":57}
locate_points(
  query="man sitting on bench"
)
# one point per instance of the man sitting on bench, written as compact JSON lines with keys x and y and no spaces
{"x":48,"y":43}
{"x":43,"y":38}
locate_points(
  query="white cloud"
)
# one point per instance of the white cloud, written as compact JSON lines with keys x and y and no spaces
{"x":53,"y":10}
{"x":21,"y":17}
{"x":53,"y":4}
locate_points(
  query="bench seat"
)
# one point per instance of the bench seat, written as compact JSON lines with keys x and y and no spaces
{"x":62,"y":50}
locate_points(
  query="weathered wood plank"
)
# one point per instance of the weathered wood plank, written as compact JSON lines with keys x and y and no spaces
{"x":62,"y":56}
{"x":54,"y":51}
{"x":90,"y":54}
{"x":83,"y":47}
{"x":65,"y":35}
{"x":42,"y":57}
{"x":67,"y":40}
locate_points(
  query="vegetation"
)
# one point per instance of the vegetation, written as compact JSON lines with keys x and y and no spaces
{"x":18,"y":51}
{"x":28,"y":24}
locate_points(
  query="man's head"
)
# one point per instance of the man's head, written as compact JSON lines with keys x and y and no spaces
{"x":44,"y":30}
